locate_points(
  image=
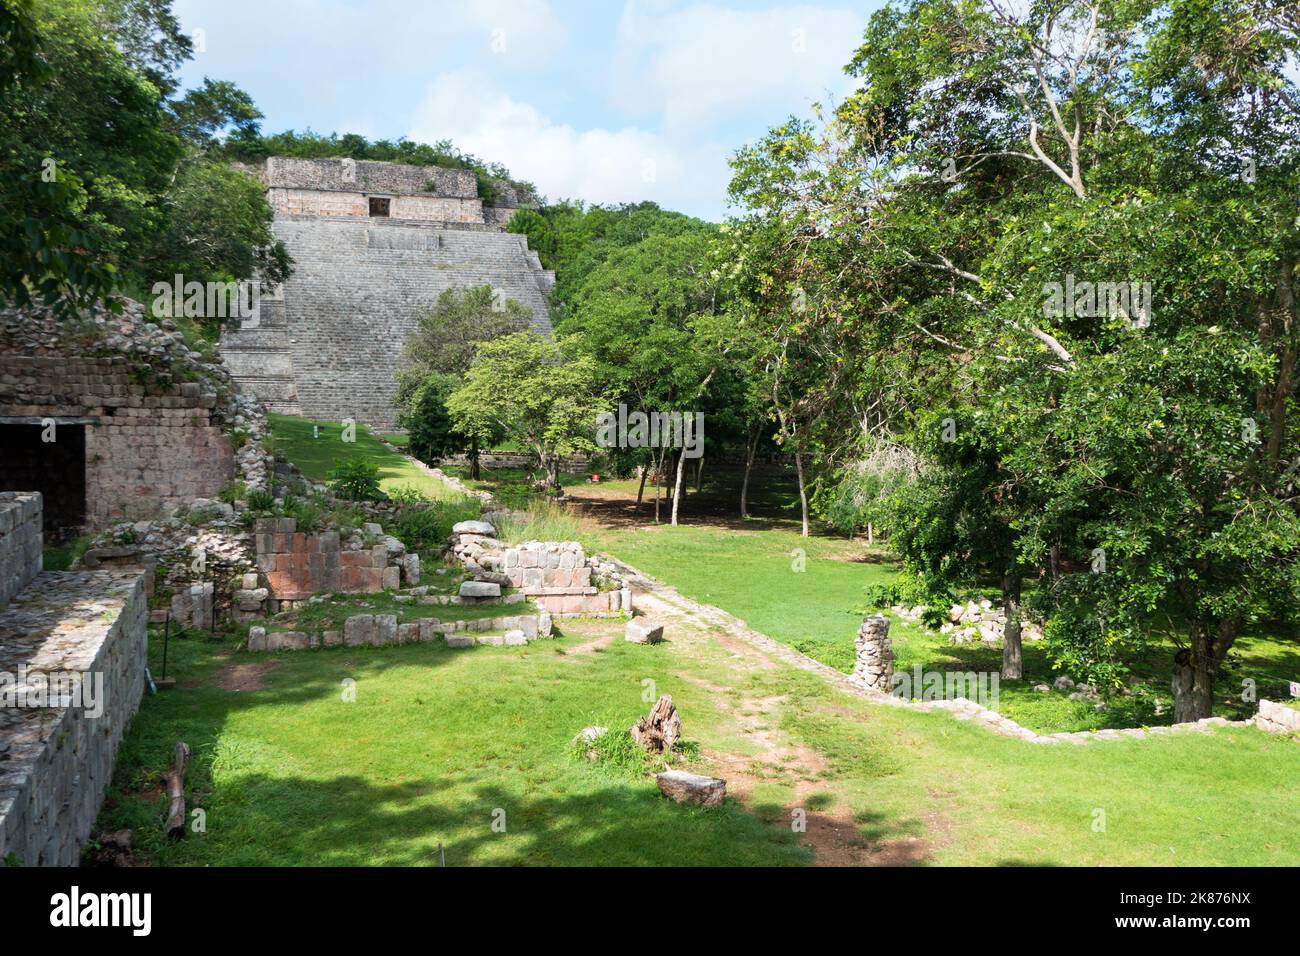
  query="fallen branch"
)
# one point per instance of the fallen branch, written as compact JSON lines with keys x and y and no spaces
{"x":175,"y":779}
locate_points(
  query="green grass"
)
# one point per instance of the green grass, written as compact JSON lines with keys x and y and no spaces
{"x":817,"y":611}
{"x":438,"y":741}
{"x":317,"y":457}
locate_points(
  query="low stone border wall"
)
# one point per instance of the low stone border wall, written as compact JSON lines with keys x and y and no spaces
{"x":21,"y":540}
{"x":377,"y":630}
{"x":56,"y":761}
{"x":960,"y":708}
{"x":1277,"y":718}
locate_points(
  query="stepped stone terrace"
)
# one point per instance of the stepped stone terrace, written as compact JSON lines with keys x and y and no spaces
{"x":373,"y":245}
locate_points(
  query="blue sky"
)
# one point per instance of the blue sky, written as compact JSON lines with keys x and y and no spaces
{"x":602,"y":101}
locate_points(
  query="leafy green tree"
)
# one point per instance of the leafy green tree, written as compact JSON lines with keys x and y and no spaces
{"x":995,"y":156}
{"x":538,"y":392}
{"x":438,"y":354}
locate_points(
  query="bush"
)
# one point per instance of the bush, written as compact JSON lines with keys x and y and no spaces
{"x":860,"y":493}
{"x":1089,"y":634}
{"x":309,"y":515}
{"x":261,"y":501}
{"x":356,"y":480}
{"x":425,"y":526}
{"x":232,"y":491}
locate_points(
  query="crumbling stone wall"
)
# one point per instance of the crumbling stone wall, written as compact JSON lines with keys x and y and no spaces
{"x":298,"y":565}
{"x":20,"y":541}
{"x":57,"y":760}
{"x":157,"y":418}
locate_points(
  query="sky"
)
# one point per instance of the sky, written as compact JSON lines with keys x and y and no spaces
{"x":600,"y":101}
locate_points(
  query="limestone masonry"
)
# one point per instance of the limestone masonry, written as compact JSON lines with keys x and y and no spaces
{"x":87,"y":629}
{"x":20,"y":542}
{"x":373,"y":244}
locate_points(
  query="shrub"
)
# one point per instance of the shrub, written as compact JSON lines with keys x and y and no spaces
{"x":356,"y":480}
{"x":425,"y":527}
{"x":861,"y":491}
{"x":232,"y":491}
{"x":1089,"y":634}
{"x":309,"y":515}
{"x":261,"y":500}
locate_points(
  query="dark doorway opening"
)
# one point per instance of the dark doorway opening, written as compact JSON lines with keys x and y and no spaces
{"x":378,"y":206}
{"x":57,"y":469}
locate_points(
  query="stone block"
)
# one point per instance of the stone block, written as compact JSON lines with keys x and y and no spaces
{"x":641,"y":630}
{"x":385,"y":628}
{"x":257,"y":639}
{"x":459,"y":640}
{"x":359,"y":629}
{"x":392,"y":578}
{"x":480,"y":589}
{"x":693,"y":788}
{"x":408,"y":633}
{"x":411,"y":569}
{"x":515,"y":638}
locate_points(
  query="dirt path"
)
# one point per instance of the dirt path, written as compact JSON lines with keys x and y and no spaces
{"x":828,"y":825}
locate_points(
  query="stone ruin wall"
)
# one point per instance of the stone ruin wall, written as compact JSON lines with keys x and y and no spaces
{"x":328,"y":344}
{"x":151,"y":442}
{"x":20,"y":542}
{"x":56,"y":760}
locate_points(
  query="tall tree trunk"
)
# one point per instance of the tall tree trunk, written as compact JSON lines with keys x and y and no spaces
{"x":677,"y":486}
{"x":699,"y":474}
{"x":803,"y":491}
{"x":474,"y":472}
{"x":659,"y":473}
{"x":553,"y":476}
{"x":750,"y":448}
{"x":640,"y":491}
{"x":871,"y":534}
{"x":1196,"y":667}
{"x":1013,"y":664}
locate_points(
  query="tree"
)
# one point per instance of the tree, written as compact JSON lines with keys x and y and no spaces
{"x":439,"y":353}
{"x":538,"y":392}
{"x":1132,"y":154}
{"x":105,"y":183}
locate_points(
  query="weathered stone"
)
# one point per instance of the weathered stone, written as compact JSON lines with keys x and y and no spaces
{"x":515,"y":638}
{"x":875,"y":655}
{"x":385,"y":628}
{"x":257,"y":639}
{"x":480,"y":589}
{"x":359,"y":629}
{"x":686,"y":787}
{"x":642,"y":630}
{"x":459,"y":640}
{"x":473,"y":527}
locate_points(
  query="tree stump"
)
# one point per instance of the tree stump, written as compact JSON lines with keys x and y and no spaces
{"x":659,"y":731}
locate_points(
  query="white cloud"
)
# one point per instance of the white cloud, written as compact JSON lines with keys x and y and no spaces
{"x":595,"y":164}
{"x":698,"y":64}
{"x":523,"y":31}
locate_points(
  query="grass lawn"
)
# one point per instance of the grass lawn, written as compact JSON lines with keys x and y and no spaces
{"x":817,"y":610}
{"x":318,"y":456}
{"x":438,"y":742}
{"x":439,"y":745}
